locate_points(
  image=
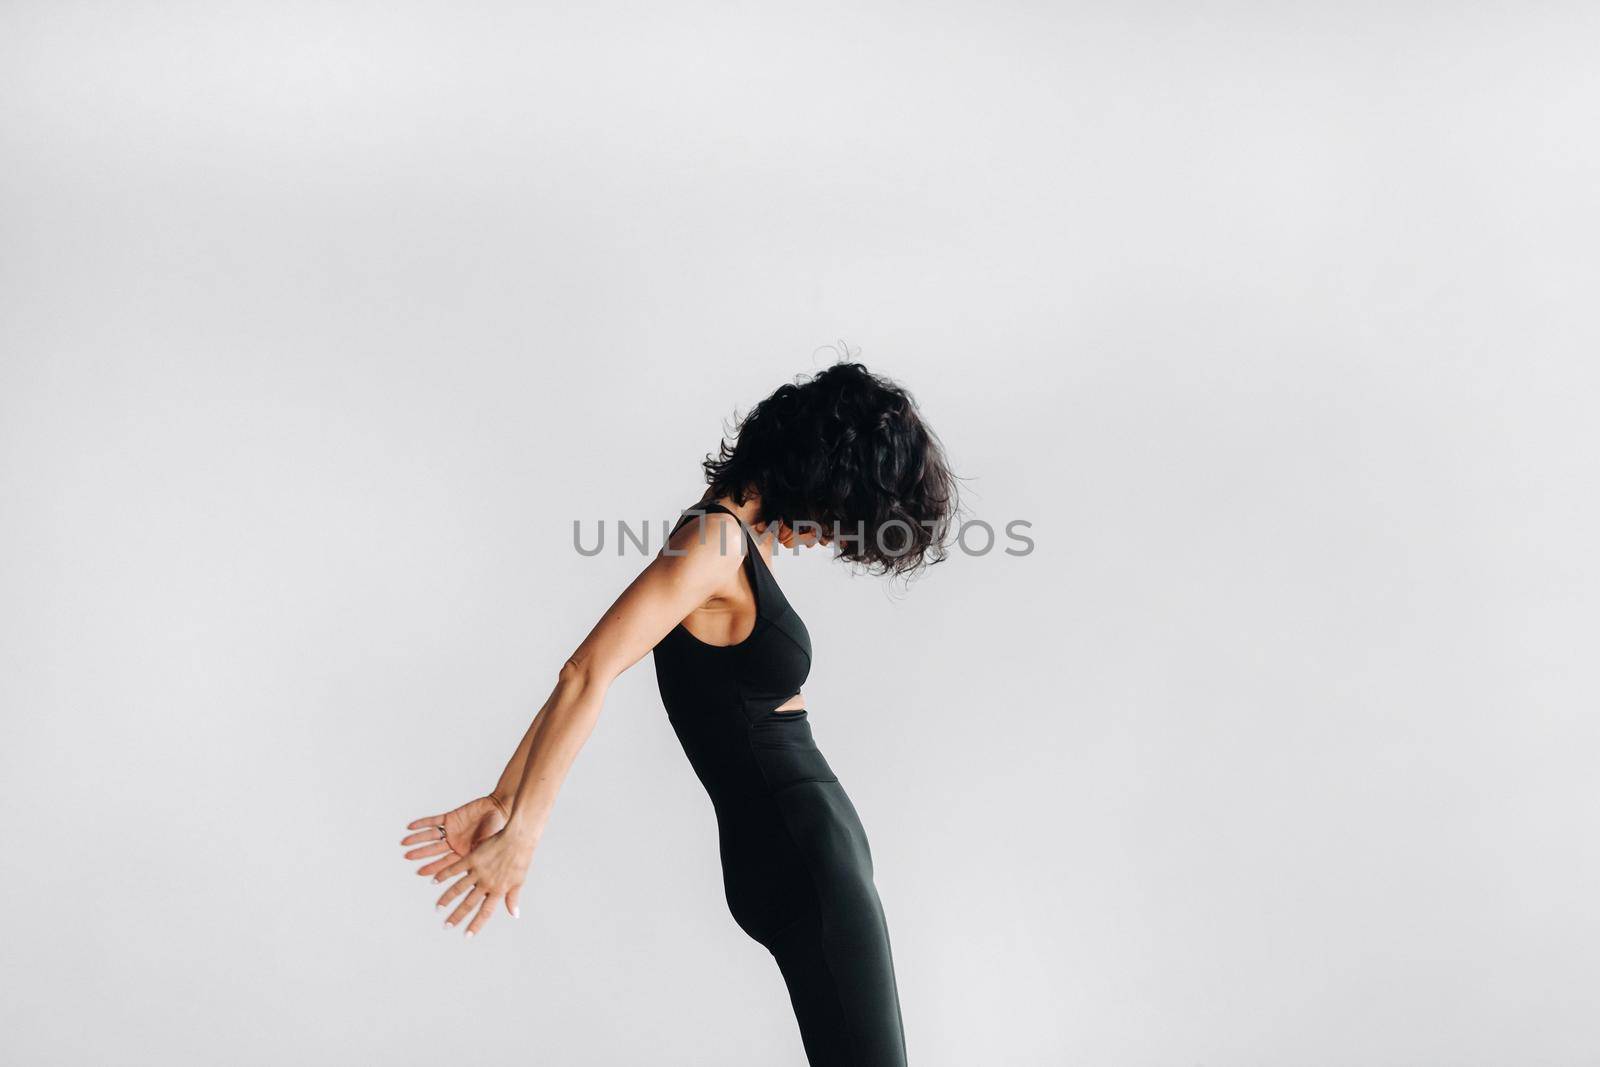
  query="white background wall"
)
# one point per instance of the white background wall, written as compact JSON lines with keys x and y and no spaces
{"x":322,"y":323}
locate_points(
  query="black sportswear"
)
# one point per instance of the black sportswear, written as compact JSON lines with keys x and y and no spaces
{"x":795,"y":864}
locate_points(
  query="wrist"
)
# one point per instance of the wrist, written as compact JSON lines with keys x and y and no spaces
{"x":524,"y":828}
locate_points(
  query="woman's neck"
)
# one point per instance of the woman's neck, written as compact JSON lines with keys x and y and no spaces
{"x":749,"y":512}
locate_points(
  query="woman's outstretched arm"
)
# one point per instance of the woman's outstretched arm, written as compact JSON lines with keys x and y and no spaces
{"x":505,"y":790}
{"x":700,"y":560}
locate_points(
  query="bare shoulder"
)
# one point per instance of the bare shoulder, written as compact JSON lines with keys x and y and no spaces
{"x":714,"y":541}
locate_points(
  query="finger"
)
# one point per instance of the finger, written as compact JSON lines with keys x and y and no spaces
{"x":427,"y":820}
{"x":465,"y":907}
{"x":438,"y":865}
{"x":483,"y":913}
{"x":450,"y":870}
{"x":432,"y":848}
{"x":511,"y":901}
{"x":454,"y":891}
{"x":430,"y":834}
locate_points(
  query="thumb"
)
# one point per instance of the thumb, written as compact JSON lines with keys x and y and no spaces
{"x":512,"y":897}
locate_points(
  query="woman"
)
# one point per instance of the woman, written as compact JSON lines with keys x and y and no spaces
{"x":841,"y":459}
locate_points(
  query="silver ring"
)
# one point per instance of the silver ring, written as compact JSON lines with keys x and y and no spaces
{"x":442,"y":834}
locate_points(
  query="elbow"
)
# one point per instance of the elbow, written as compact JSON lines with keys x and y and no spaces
{"x":575,"y":675}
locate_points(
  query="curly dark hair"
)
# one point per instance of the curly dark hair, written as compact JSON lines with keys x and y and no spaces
{"x":847,"y":451}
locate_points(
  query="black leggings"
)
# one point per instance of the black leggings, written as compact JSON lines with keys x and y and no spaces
{"x":798,"y":876}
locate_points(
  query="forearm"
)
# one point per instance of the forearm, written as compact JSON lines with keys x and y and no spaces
{"x":505,"y":790}
{"x":553,"y":742}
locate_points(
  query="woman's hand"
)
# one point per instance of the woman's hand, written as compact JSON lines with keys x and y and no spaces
{"x":464,"y":829}
{"x":491,"y":873}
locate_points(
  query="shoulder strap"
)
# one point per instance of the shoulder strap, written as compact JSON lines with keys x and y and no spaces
{"x":708,"y":507}
{"x":759,"y":575}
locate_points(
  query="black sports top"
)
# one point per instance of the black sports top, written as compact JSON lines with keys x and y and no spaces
{"x":758,"y":674}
